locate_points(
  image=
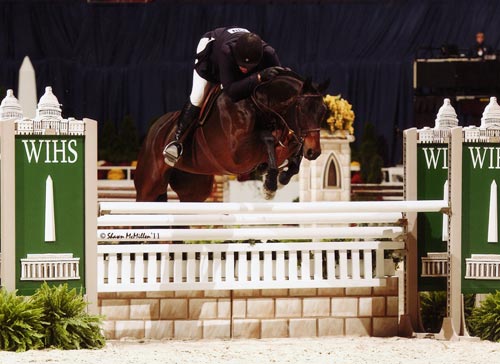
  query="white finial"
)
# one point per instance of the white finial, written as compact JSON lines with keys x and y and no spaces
{"x":48,"y":106}
{"x":446,"y":117}
{"x":10,"y":108}
{"x":491,"y":114}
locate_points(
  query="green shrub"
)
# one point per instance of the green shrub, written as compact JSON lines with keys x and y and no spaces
{"x":485,"y":319}
{"x":20,"y":323}
{"x":66,"y":323}
{"x":469,"y":302}
{"x":432,"y":310}
{"x":369,"y":157}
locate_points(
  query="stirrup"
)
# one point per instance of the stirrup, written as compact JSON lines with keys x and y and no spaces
{"x":172,"y":153}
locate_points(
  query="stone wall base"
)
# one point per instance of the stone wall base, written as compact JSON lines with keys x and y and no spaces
{"x":278,"y":313}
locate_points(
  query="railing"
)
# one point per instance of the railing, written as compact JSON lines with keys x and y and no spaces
{"x":121,"y":189}
{"x":113,"y":189}
{"x":371,"y":191}
{"x":128,"y":171}
{"x":435,"y":265}
{"x":158,"y":267}
{"x":482,"y":266}
{"x":372,"y":229}
{"x":46,"y":267}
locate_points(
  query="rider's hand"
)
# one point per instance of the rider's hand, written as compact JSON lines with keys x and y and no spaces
{"x":270,"y":73}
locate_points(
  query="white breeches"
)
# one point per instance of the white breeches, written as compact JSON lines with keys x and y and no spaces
{"x":200,"y":85}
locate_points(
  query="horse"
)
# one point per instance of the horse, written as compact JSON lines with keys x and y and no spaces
{"x":280,"y":122}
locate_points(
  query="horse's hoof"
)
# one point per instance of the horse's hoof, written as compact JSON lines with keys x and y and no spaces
{"x":273,"y":186}
{"x":261,"y":168}
{"x":284,"y":179}
{"x":269,"y":195}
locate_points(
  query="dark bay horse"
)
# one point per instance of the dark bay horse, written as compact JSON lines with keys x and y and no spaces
{"x":280,"y":122}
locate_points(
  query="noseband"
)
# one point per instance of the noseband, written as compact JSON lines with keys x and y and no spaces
{"x":288,"y":130}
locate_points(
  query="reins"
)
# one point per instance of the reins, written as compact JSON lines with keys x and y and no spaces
{"x":263,"y":108}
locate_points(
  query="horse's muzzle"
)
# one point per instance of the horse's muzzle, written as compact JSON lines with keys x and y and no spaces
{"x":312,"y":146}
{"x":311,"y":154}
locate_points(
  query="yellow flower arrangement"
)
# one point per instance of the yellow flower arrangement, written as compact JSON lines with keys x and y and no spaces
{"x":341,"y":116}
{"x":116,"y":174}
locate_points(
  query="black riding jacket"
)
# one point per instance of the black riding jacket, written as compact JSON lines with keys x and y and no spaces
{"x":218,"y":65}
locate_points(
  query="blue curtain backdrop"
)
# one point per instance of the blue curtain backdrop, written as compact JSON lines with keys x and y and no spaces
{"x":108,"y":61}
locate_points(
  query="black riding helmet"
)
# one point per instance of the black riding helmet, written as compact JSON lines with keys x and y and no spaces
{"x":248,"y":50}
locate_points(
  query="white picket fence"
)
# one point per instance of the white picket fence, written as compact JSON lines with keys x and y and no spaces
{"x":323,"y":262}
{"x":242,"y":266}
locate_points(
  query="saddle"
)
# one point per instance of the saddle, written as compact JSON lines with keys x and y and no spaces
{"x":208,"y":105}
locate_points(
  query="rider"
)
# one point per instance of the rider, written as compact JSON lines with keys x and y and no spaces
{"x":233,"y":57}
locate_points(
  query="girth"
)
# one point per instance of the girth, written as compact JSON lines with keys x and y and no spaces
{"x":208,"y":103}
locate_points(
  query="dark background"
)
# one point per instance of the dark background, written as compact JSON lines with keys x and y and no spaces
{"x":111,"y":61}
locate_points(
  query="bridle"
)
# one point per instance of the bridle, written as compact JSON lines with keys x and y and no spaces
{"x":284,"y":107}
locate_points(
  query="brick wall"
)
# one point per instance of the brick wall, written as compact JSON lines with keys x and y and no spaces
{"x":252,"y":313}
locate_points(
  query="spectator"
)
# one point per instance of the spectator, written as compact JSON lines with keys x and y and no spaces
{"x":480,"y":49}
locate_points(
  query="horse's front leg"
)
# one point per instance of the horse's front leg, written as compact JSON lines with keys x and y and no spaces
{"x":292,"y":168}
{"x":271,"y":180}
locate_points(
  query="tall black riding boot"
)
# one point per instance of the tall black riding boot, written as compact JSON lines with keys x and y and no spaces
{"x":173,"y":150}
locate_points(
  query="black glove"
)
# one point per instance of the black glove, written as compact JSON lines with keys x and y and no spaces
{"x":270,"y":73}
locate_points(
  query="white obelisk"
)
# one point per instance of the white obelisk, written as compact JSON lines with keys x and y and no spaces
{"x":26,"y":92}
{"x":445,"y":216}
{"x":493,"y":215}
{"x":50,"y":223}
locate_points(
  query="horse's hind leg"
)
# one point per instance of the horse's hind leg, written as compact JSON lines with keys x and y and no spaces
{"x":191,"y":187}
{"x":162,"y":198}
{"x":151,"y":183}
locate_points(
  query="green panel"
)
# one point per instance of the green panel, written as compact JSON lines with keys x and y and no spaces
{"x":62,"y":158}
{"x":432,"y":173}
{"x":481,"y":165}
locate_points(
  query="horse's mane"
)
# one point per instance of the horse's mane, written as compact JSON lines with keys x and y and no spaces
{"x":284,"y":86}
{"x":307,"y":84}
{"x":291,"y":74}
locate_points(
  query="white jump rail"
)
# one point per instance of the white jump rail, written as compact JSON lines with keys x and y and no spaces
{"x":279,"y":207}
{"x":247,"y":219}
{"x":323,"y":262}
{"x":271,"y":233}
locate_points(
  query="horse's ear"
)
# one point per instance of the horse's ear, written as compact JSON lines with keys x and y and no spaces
{"x":308,"y":85}
{"x":322,"y":87}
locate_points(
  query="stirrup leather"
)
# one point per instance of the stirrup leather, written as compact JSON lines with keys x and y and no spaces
{"x":172,"y":152}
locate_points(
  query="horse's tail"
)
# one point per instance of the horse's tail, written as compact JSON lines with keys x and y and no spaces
{"x":158,"y":134}
{"x":150,"y":170}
